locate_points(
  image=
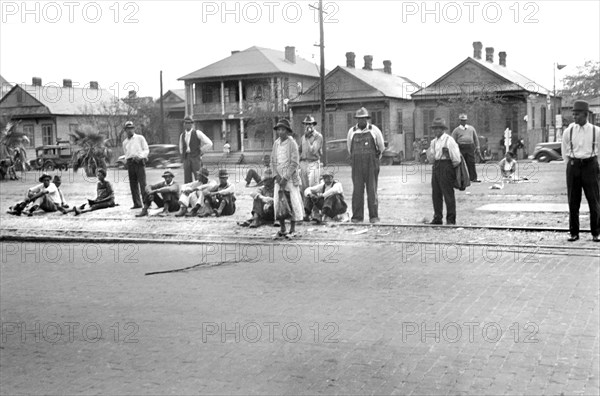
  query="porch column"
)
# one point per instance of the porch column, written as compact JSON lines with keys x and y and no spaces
{"x":188,"y":99}
{"x":223,"y":98}
{"x":242,"y":133}
{"x":272,"y":94}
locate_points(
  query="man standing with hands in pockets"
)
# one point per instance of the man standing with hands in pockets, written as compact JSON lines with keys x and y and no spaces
{"x":136,"y":153}
{"x":192,"y":144}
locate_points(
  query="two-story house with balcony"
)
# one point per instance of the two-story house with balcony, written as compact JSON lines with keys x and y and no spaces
{"x":494,"y":97}
{"x":239,"y":98}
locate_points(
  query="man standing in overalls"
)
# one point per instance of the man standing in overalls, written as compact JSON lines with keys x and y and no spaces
{"x":365,"y":145}
{"x":192,"y":144}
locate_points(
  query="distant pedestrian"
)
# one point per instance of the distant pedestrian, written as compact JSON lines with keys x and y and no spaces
{"x":192,"y":144}
{"x":508,"y":167}
{"x":136,"y":154}
{"x":366,"y":146}
{"x":580,"y":147}
{"x":444,"y":154}
{"x":226,"y":148}
{"x":468,"y":142}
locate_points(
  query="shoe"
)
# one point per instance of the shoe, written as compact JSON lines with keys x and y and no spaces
{"x":596,"y":238}
{"x":276,"y":223}
{"x":30,"y":213}
{"x":135,"y":207}
{"x":163,"y":214}
{"x":279,"y":235}
{"x":77,"y":211}
{"x":436,"y":222}
{"x":181,"y":212}
{"x":476,"y":181}
{"x":255,"y":223}
{"x":357,"y":220}
{"x":216,"y":213}
{"x":247,"y":185}
{"x":374,"y":220}
{"x":194,"y":211}
{"x":143,"y":213}
{"x":573,"y":238}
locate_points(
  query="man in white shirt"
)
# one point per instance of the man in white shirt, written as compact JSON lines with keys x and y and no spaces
{"x":580,"y":147}
{"x":45,"y":197}
{"x":310,"y":153}
{"x":192,"y":144}
{"x":325,"y":201}
{"x":136,"y":153}
{"x":192,"y":194}
{"x":444,"y":154}
{"x":468,"y":143}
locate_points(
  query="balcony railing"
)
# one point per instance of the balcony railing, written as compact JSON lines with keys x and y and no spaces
{"x":249,"y":106}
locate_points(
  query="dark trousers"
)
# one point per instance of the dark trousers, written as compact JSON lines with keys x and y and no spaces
{"x":258,"y":208}
{"x":102,"y":205}
{"x":468,"y":151}
{"x":365,"y":173}
{"x":330,"y":206}
{"x":191,"y":166}
{"x":170,"y":199}
{"x":442,"y":189}
{"x":252,"y":175}
{"x":215,"y":203}
{"x":137,"y":181}
{"x":584,"y":175}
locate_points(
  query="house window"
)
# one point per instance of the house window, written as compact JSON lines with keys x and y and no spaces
{"x":330,"y":124}
{"x":543,"y":116}
{"x":400,"y":122}
{"x":207,"y":94}
{"x":515,"y":120}
{"x":350,"y":120}
{"x":376,"y":119}
{"x":28,"y":131}
{"x":428,"y":116}
{"x":47,"y":134}
{"x":532,"y":116}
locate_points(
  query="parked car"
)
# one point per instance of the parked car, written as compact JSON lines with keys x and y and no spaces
{"x":337,"y":153}
{"x":160,"y":156}
{"x":51,"y":157}
{"x":546,"y":152}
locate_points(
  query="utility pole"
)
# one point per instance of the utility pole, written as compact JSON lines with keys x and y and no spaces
{"x":162,"y":112}
{"x":322,"y":80}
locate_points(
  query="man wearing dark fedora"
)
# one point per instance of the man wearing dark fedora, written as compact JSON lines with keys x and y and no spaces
{"x":136,"y":152}
{"x":192,"y":144}
{"x":221,"y":198}
{"x":580,"y":147}
{"x":164,"y":194}
{"x":444,"y":154}
{"x":366,"y":146}
{"x":310,"y":153}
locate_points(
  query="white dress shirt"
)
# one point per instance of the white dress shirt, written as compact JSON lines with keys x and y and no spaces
{"x":135,"y":147}
{"x":582,"y":141}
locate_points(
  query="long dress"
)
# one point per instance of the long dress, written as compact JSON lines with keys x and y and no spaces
{"x":285,"y":162}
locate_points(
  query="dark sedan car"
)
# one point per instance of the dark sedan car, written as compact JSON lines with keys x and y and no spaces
{"x":160,"y":155}
{"x":546,"y":152}
{"x":337,"y":153}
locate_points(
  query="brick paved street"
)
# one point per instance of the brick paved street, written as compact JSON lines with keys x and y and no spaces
{"x":296,"y":319}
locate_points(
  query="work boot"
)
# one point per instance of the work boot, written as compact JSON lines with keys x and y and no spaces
{"x":194,"y":211}
{"x":143,"y":213}
{"x":77,"y":211}
{"x":33,"y":209}
{"x":182,"y":211}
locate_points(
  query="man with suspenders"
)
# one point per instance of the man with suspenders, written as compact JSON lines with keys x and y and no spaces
{"x":580,"y":151}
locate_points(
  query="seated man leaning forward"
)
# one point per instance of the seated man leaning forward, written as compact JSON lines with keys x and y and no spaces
{"x":192,"y":194}
{"x":105,"y":196}
{"x":508,"y":167}
{"x":164,"y":194}
{"x":325,"y":200}
{"x":262,"y":202}
{"x":221,"y":198}
{"x":43,"y":196}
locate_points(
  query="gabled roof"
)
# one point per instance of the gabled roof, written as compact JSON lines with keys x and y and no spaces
{"x":383,"y":85}
{"x":512,"y":81}
{"x":255,"y":60}
{"x":3,"y":81}
{"x":179,"y":93}
{"x":72,"y":101}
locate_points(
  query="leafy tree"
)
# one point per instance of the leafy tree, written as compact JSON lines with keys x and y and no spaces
{"x":585,"y":83}
{"x":92,"y":153}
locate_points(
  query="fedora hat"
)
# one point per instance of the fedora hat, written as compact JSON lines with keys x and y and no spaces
{"x":463,"y":117}
{"x":285,"y":123}
{"x":188,"y":119}
{"x":581,"y":105}
{"x":203,"y":172}
{"x":168,"y":173}
{"x":439,"y":123}
{"x":268,"y":174}
{"x":310,"y":120}
{"x":223,"y":173}
{"x":129,"y":124}
{"x":44,"y":176}
{"x":362,"y":113}
{"x":327,"y":173}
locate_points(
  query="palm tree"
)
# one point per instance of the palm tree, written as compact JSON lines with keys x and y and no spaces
{"x":12,"y":150}
{"x":92,"y":153}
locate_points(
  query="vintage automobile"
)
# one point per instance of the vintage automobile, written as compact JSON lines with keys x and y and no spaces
{"x":337,"y":153}
{"x":51,"y":157}
{"x":546,"y":152}
{"x":160,"y":156}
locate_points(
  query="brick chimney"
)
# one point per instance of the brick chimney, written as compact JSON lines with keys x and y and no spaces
{"x":93,"y":84}
{"x":234,"y":52}
{"x":502,"y":56}
{"x":477,"y":46}
{"x":290,"y":54}
{"x":67,"y":83}
{"x":368,"y":62}
{"x":36,"y":81}
{"x":489,"y":54}
{"x":350,"y":59}
{"x":387,"y":66}
{"x":132,"y":95}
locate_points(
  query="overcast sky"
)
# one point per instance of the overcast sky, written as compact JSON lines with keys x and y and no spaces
{"x":124,"y":45}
